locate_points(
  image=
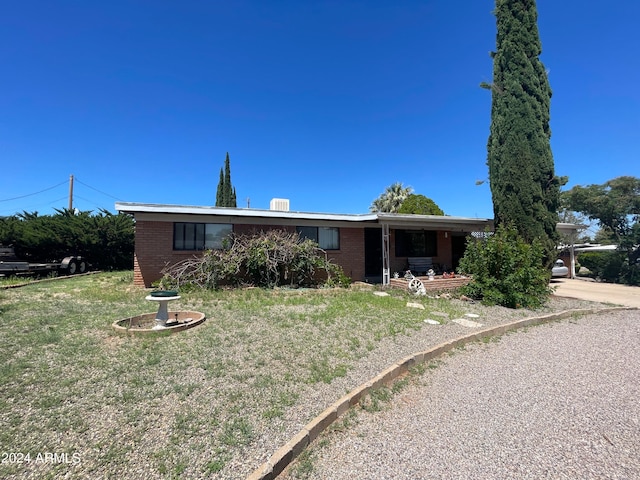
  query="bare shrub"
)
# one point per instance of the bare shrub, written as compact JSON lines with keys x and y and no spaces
{"x":265,"y":259}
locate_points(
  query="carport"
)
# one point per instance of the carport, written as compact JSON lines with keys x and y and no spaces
{"x":570,"y":230}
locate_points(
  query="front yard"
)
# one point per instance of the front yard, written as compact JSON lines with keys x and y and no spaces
{"x":214,"y":401}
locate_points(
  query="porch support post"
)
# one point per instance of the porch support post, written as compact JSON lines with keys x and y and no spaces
{"x":572,"y":254}
{"x":386,"y":268}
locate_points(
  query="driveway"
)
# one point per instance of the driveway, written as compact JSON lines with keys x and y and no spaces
{"x":558,"y":401}
{"x":597,"y":291}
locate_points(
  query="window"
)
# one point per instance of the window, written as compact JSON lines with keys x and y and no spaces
{"x":416,"y":243}
{"x":327,"y":238}
{"x":200,"y":236}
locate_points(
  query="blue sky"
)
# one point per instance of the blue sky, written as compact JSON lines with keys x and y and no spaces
{"x":322,"y":102}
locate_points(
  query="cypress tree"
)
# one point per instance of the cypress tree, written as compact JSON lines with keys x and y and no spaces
{"x":524,"y":188}
{"x":219,"y":201}
{"x":226,"y":193}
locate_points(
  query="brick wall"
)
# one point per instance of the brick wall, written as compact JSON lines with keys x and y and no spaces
{"x":154,"y":250}
{"x":351,"y":254}
{"x":240,"y":229}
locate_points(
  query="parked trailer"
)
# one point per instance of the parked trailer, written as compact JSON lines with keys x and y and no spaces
{"x":10,"y":264}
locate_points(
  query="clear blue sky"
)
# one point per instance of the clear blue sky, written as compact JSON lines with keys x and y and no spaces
{"x":322,"y":102}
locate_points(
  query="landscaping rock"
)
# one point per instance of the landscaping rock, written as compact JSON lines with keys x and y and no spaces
{"x":466,"y":323}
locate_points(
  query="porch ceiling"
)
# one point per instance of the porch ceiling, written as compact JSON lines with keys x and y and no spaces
{"x":435,"y":222}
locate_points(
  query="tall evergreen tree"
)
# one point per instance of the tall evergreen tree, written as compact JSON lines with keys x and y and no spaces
{"x":524,"y":187}
{"x":219,"y":200}
{"x":226,"y":187}
{"x":226,"y":194}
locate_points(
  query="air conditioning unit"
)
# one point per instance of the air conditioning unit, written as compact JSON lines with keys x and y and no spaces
{"x":280,"y":204}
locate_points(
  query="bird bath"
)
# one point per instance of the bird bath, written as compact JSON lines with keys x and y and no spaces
{"x":163,"y":319}
{"x":163,"y":297}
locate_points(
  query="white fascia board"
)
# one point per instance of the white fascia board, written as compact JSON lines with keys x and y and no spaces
{"x":435,"y":221}
{"x":134,"y":208}
{"x":596,"y":248}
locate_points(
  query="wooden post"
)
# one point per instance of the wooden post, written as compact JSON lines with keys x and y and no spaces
{"x":70,"y":192}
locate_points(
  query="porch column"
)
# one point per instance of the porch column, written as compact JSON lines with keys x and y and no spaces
{"x":572,"y":271}
{"x":386,"y":268}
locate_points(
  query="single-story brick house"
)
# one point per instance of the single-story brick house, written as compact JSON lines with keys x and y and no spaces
{"x":369,"y":247}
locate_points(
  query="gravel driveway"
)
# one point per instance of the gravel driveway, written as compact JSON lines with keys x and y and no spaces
{"x":555,"y":401}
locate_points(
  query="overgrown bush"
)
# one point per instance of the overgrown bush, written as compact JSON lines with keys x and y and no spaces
{"x":265,"y":259}
{"x":104,"y":239}
{"x":506,"y":270}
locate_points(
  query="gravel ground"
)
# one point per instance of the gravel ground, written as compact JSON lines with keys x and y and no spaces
{"x":553,"y":401}
{"x":315,"y":398}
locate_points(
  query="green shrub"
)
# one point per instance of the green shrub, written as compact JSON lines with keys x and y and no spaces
{"x":606,"y":266}
{"x":506,"y":270}
{"x":266,"y":259}
{"x":630,"y":274}
{"x":104,"y":239}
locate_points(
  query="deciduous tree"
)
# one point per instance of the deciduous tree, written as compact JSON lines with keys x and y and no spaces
{"x":615,"y":205}
{"x":420,"y":205}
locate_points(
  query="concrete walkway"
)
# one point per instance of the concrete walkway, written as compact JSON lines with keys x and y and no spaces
{"x":597,"y":291}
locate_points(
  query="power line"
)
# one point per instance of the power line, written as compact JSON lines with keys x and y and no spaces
{"x":93,"y":188}
{"x":32,"y":194}
{"x":89,"y":201}
{"x":31,"y":208}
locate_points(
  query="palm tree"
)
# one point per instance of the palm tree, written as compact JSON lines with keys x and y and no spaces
{"x":391,"y":199}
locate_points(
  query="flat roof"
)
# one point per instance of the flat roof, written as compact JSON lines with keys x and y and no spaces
{"x":396,"y":220}
{"x":392,"y":219}
{"x":128,"y":207}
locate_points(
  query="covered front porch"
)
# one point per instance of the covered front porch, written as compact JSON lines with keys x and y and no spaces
{"x":416,"y":240}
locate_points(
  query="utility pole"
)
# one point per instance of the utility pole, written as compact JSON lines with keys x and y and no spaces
{"x":70,"y":192}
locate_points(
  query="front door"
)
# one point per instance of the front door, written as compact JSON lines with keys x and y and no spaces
{"x":373,"y":254}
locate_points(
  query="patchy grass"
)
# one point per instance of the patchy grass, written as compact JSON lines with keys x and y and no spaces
{"x":185,"y":404}
{"x":12,"y":280}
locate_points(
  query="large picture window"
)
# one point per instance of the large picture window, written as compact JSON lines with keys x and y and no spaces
{"x":416,"y":243}
{"x":327,"y":238}
{"x":200,"y":236}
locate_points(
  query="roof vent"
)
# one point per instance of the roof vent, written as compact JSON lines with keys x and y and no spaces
{"x":281,"y":204}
